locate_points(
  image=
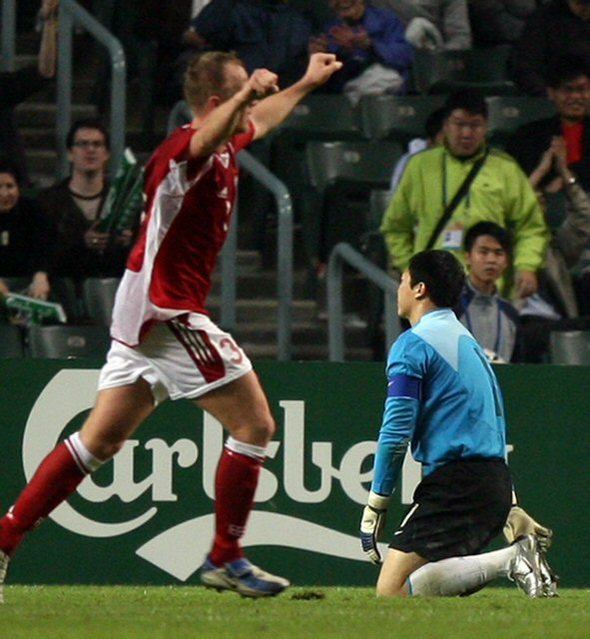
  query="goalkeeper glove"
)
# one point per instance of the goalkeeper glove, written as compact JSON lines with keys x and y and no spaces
{"x":372,"y":523}
{"x":520,"y":523}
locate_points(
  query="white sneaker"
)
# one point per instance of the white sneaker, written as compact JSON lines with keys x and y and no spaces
{"x":4,"y":559}
{"x":242,"y":577}
{"x":524,"y":570}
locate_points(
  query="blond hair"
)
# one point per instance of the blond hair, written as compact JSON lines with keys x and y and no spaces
{"x":205,"y":76}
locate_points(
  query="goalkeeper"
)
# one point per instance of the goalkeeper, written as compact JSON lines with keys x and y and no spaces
{"x":444,"y":399}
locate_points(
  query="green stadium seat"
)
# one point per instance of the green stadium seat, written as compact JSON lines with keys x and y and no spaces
{"x":378,"y":202}
{"x":179,"y":114}
{"x":507,"y":113}
{"x":99,"y":298}
{"x":324,"y":117}
{"x":67,"y":342}
{"x":570,"y":347}
{"x":362,"y":161}
{"x":448,"y":71}
{"x":11,"y":342}
{"x":397,"y":117}
{"x":342,"y":176}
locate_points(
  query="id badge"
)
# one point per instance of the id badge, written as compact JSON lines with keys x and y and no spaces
{"x":452,"y":239}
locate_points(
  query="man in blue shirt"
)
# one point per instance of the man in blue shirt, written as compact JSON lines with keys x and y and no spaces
{"x":444,"y":400}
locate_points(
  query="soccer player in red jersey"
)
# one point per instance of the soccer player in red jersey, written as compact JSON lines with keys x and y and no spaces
{"x":164,"y":344}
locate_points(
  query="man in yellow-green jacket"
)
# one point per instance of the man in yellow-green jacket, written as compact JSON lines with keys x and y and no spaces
{"x":499,"y":192}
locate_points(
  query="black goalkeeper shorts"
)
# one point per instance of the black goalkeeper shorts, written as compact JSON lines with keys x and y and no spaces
{"x":458,"y":509}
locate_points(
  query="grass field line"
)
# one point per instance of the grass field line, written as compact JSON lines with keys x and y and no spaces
{"x":187,"y":612}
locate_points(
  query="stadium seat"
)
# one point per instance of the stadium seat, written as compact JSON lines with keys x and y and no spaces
{"x":99,"y":298}
{"x":179,"y":114}
{"x":570,"y":347}
{"x":342,"y":176}
{"x":63,"y":290}
{"x":397,"y":117}
{"x":328,"y":117}
{"x":378,"y":202}
{"x":362,"y":161}
{"x":448,"y":71}
{"x":507,"y":113}
{"x":67,"y":342}
{"x":11,"y":343}
{"x":316,"y":118}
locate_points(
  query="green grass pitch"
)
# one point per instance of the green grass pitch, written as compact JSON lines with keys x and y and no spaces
{"x":135,"y":612}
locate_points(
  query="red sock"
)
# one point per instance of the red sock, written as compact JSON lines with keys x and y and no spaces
{"x":235,"y":485}
{"x":54,"y":481}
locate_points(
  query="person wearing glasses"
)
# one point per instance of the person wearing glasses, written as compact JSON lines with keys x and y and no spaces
{"x":75,"y":204}
{"x":447,"y":189}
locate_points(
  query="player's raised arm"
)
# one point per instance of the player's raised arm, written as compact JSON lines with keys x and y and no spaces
{"x":270,"y":112}
{"x":225,"y":111}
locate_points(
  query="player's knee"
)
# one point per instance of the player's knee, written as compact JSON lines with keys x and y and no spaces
{"x":264,"y":430}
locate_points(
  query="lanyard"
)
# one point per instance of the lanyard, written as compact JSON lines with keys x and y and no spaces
{"x":444,"y":185}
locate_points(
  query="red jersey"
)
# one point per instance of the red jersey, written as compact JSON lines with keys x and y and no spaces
{"x":188,"y":205}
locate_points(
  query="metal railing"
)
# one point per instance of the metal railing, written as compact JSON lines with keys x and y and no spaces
{"x":8,"y":34}
{"x":71,"y":14}
{"x":181,"y":114}
{"x":345,"y":253}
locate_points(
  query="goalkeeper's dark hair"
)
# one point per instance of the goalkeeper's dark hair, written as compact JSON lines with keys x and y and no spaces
{"x":87,"y":123}
{"x":442,"y":273}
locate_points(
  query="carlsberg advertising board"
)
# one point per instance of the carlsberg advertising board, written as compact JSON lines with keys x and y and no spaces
{"x":146,"y":517}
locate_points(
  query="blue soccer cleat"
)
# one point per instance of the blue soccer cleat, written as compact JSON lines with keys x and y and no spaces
{"x":242,"y":577}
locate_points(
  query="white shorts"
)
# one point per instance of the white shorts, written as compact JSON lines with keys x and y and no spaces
{"x":182,"y":358}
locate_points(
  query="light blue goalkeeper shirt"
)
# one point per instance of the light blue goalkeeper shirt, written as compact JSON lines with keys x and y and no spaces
{"x":442,"y":396}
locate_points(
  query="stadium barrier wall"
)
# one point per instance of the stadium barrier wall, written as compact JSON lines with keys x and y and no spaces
{"x":146,"y":517}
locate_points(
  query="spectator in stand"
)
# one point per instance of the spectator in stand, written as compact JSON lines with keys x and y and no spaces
{"x":17,"y":86}
{"x":433,"y":25}
{"x":491,"y":319}
{"x":264,"y":33}
{"x":317,"y":12}
{"x":433,"y":128}
{"x":568,"y":86}
{"x":560,"y":27}
{"x":555,"y":307}
{"x":27,"y":237}
{"x":435,"y":181}
{"x":370,"y":43}
{"x":75,"y":205}
{"x":497,"y":22}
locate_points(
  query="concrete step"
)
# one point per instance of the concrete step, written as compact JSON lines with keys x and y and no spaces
{"x":260,"y":310}
{"x":43,"y":114}
{"x":260,"y":285}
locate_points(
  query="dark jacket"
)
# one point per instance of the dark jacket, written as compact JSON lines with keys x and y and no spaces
{"x":265,"y":34}
{"x":72,"y":258}
{"x":530,"y":141}
{"x":551,"y":31}
{"x":27,"y":239}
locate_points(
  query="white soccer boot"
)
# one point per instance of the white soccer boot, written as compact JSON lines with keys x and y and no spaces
{"x":524,"y":569}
